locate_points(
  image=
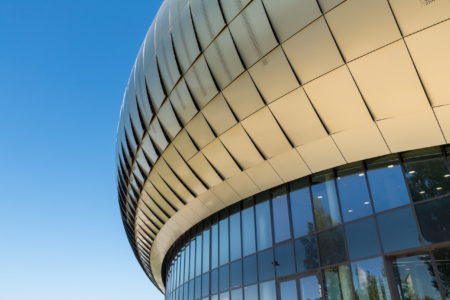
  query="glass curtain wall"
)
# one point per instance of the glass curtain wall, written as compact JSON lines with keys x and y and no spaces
{"x":377,"y":229}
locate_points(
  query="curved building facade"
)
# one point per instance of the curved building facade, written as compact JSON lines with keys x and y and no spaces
{"x":290,"y":149}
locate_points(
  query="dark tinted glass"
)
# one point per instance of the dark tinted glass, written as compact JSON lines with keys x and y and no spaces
{"x":281,"y":218}
{"x":306,"y":254}
{"x":191,"y":290}
{"x":223,"y":242}
{"x":192,"y":260}
{"x":362,"y":239}
{"x":198,"y":287}
{"x":353,"y":193}
{"x":235,"y":236}
{"x":265,"y":265}
{"x":326,"y":207}
{"x":236,"y":274}
{"x":415,"y":277}
{"x":387,"y":184}
{"x":338,"y":283}
{"x":214,"y":246}
{"x":249,"y":264}
{"x":369,"y":279}
{"x":434,"y":220}
{"x":205,"y":285}
{"x":214,"y":281}
{"x":284,"y":260}
{"x":442,"y":257}
{"x":267,"y":291}
{"x":398,"y":230}
{"x":263,"y":223}
{"x":198,"y":255}
{"x":248,"y":231}
{"x":206,"y":242}
{"x":301,"y":209}
{"x":427,"y":174}
{"x":332,"y":246}
{"x":224,"y":278}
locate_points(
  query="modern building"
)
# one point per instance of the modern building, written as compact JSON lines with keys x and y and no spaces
{"x":290,"y":149}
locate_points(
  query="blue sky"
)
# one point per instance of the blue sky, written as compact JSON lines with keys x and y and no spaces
{"x":64,"y":65}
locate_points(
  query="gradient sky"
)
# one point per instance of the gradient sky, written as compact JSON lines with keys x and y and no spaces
{"x":64,"y":65}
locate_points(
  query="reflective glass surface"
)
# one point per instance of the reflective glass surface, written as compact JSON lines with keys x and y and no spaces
{"x":288,"y":290}
{"x":369,"y":279}
{"x":415,"y":277}
{"x":310,"y":288}
{"x":326,"y":207}
{"x":301,"y":208}
{"x":284,"y":260}
{"x":294,"y":231}
{"x":386,"y":183}
{"x":398,"y":230}
{"x":362,"y":239}
{"x":306,"y":254}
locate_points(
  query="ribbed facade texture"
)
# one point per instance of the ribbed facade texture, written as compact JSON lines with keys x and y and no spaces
{"x":302,"y":114}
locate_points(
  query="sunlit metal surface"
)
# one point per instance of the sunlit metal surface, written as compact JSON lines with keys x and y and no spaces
{"x":228,"y":98}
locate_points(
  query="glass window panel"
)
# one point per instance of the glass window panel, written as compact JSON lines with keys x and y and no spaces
{"x":248,"y":230}
{"x":442,"y":258}
{"x":288,"y":290}
{"x":186,"y":291}
{"x":426,"y":173}
{"x":225,"y":296}
{"x":235,"y":236}
{"x":310,"y":288}
{"x":265,"y":265}
{"x":281,"y":218}
{"x":398,"y":230}
{"x":214,"y":297}
{"x":301,"y":209}
{"x":198,"y":287}
{"x":206,"y":241}
{"x":205,"y":285}
{"x":362,"y":239}
{"x":214,"y":246}
{"x":415,"y":277}
{"x":353,"y":193}
{"x":251,"y":292}
{"x":214,"y":281}
{"x":249,"y":270}
{"x":267,"y":291}
{"x":236,"y":274}
{"x":191,"y":290}
{"x":198,"y":257}
{"x":263,"y":222}
{"x":387,"y":184}
{"x":332,"y":246}
{"x":434,"y":220}
{"x":224,"y":241}
{"x":306,"y":254}
{"x":192,"y":261}
{"x":338,"y":283}
{"x":326,"y":208}
{"x":369,"y":279}
{"x":224,"y":278}
{"x":186,"y":268}
{"x":284,"y":258}
{"x":236,"y":294}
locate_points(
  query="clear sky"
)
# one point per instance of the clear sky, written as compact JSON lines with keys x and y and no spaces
{"x":64,"y":65}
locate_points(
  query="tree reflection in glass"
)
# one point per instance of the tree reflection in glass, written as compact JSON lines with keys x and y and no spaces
{"x":326,"y":207}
